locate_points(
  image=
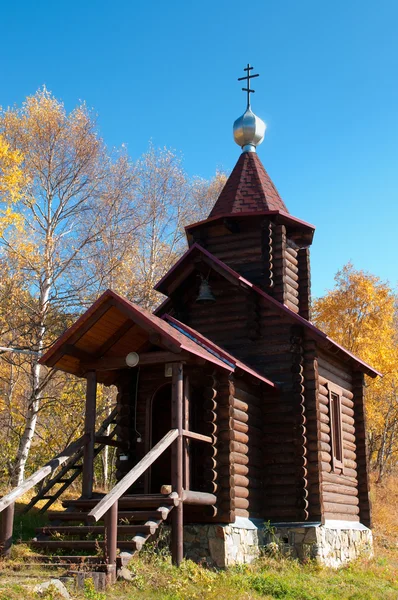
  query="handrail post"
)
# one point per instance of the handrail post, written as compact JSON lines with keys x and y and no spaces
{"x":89,"y":428}
{"x":7,"y":525}
{"x":111,"y":519}
{"x":177,"y":548}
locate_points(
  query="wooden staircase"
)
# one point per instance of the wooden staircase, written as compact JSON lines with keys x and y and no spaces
{"x":139,"y":517}
{"x":73,"y":468}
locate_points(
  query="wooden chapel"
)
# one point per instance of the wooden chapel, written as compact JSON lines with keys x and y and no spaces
{"x":234,"y":403}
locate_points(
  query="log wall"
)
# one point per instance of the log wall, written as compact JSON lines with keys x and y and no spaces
{"x":240,"y":250}
{"x":339,"y":490}
{"x":265,"y":255}
{"x":285,"y":269}
{"x":362,"y":452}
{"x":240,"y":448}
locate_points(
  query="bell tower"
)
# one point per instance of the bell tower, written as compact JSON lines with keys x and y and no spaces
{"x":250,"y":228}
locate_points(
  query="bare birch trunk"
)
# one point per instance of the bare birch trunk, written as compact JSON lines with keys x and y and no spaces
{"x":36,"y":395}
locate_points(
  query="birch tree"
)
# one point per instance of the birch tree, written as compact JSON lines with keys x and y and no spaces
{"x":71,"y":179}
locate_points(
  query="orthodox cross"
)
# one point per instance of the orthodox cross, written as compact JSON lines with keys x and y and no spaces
{"x":247,"y":78}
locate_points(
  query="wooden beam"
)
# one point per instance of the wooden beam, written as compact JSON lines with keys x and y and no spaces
{"x":160,"y":340}
{"x":108,"y":441}
{"x":177,"y":467}
{"x":197,"y":436}
{"x":143,"y":322}
{"x":198,"y":498}
{"x":7,"y":526}
{"x":71,"y":350}
{"x":186,"y":447}
{"x":111,"y":518}
{"x":124,"y":484}
{"x":89,"y":430}
{"x":79,"y":333}
{"x":41,"y":474}
{"x":113,"y":363}
{"x":115,"y":337}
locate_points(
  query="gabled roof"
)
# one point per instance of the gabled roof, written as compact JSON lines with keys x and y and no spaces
{"x":211,"y":347}
{"x":186,"y":265}
{"x":248,"y":189}
{"x":113,"y":326}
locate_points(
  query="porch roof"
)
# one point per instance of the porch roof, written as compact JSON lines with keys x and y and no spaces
{"x":113,"y":326}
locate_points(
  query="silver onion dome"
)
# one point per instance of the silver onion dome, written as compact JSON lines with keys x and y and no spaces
{"x":249,"y":131}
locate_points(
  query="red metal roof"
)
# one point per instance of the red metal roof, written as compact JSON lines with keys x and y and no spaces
{"x":200,"y":338}
{"x":220,"y":266}
{"x":248,"y":189}
{"x":190,"y":341}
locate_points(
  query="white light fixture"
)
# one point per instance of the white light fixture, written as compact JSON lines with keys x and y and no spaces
{"x":132,"y":359}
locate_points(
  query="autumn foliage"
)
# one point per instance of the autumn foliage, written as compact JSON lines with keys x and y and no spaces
{"x":75,"y":219}
{"x":360,"y":314}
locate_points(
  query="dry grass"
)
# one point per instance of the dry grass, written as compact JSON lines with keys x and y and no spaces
{"x":269,"y":578}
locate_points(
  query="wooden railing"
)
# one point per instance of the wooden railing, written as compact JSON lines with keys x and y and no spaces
{"x":7,"y":503}
{"x":124,"y":484}
{"x":108,"y":505}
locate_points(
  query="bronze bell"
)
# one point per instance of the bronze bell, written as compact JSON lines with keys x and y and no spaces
{"x":205,"y":293}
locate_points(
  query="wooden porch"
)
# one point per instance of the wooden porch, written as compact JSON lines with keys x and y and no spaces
{"x":95,"y":348}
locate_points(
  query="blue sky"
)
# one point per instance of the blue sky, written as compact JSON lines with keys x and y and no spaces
{"x":167,"y":71}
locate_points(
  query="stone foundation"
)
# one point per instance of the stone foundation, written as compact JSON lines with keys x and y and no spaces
{"x":223,"y":545}
{"x":333,"y":544}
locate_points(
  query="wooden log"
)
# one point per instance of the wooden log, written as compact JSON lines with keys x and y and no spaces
{"x":334,"y":365}
{"x":89,"y":430}
{"x":326,"y":376}
{"x":347,"y":411}
{"x":240,"y":512}
{"x":347,"y":402}
{"x":293,"y":307}
{"x":348,"y":428}
{"x":191,"y":497}
{"x":233,"y":457}
{"x":340,"y":516}
{"x":349,"y":438}
{"x":235,"y":436}
{"x":177,"y":466}
{"x":350,"y":464}
{"x":325,"y":466}
{"x":228,"y":412}
{"x":110,"y":548}
{"x":349,"y":455}
{"x":331,"y":507}
{"x":347,"y":420}
{"x":339,"y":489}
{"x":247,"y":408}
{"x":247,"y":397}
{"x":334,"y":498}
{"x":7,"y":525}
{"x":291,"y":282}
{"x":314,"y":446}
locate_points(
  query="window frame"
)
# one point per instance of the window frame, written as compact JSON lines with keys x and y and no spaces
{"x":336,"y":428}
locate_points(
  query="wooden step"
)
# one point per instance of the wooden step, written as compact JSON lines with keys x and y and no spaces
{"x":129,"y":515}
{"x":59,"y":515}
{"x":62,"y":560}
{"x":148,"y":528}
{"x":143,"y":500}
{"x":145,"y":515}
{"x":86,"y":544}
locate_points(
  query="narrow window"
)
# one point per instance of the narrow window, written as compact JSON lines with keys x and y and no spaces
{"x":336,"y":429}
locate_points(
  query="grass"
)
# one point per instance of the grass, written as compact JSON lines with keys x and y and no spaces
{"x":268,"y":578}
